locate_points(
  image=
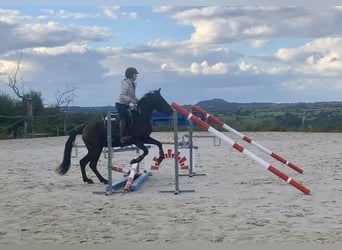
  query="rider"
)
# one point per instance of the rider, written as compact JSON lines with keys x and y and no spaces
{"x":126,"y":97}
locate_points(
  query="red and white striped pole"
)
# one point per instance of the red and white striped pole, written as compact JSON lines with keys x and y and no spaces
{"x":245,"y":138}
{"x":241,"y":149}
{"x":118,"y":169}
{"x":131,"y":177}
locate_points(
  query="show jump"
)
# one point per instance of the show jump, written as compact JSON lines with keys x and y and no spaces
{"x":243,"y":150}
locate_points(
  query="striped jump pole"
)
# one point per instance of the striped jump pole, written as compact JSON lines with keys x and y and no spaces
{"x":245,"y":138}
{"x":118,"y":169}
{"x":241,"y":149}
{"x":131,"y":177}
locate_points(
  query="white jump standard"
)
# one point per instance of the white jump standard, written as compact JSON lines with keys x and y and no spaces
{"x":241,"y":149}
{"x":177,"y":190}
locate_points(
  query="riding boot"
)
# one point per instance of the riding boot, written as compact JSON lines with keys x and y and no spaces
{"x":122,"y":127}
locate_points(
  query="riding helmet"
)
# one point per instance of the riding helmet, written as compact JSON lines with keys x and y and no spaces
{"x":130,"y":71}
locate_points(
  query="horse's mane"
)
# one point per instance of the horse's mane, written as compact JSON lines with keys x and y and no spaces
{"x":148,"y":94}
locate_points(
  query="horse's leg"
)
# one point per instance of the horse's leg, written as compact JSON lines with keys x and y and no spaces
{"x":150,"y":140}
{"x":93,"y":165}
{"x":140,"y":145}
{"x":83,"y":163}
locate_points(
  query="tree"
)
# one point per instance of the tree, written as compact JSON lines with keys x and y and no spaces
{"x":36,"y":102}
{"x":65,"y":97}
{"x":26,"y":98}
{"x":7,"y":105}
{"x":13,"y":79}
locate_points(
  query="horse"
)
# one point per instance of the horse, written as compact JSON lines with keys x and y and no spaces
{"x":139,"y":129}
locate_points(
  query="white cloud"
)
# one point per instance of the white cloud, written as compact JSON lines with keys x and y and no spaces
{"x":206,"y":69}
{"x":329,"y":65}
{"x":258,"y":30}
{"x":278,"y":70}
{"x":65,"y":49}
{"x":111,"y":11}
{"x":160,"y":44}
{"x":114,"y":12}
{"x":6,"y":67}
{"x":47,"y":34}
{"x":162,"y":9}
{"x":171,"y":66}
{"x":214,"y":50}
{"x":322,"y":56}
{"x":9,"y":16}
{"x":63,"y":14}
{"x":217,"y":25}
{"x":243,"y":66}
{"x":257,"y":43}
{"x":133,"y":15}
{"x":9,"y":66}
{"x":48,"y":11}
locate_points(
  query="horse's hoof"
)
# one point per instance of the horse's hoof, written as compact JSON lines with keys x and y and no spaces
{"x":160,"y":160}
{"x":133,"y":161}
{"x":89,"y":181}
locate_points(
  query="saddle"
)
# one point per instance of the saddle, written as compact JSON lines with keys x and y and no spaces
{"x":114,"y":118}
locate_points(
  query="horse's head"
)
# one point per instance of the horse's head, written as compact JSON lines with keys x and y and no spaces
{"x":155,"y":101}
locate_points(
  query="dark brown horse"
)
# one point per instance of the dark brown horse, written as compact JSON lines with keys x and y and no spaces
{"x":95,"y":136}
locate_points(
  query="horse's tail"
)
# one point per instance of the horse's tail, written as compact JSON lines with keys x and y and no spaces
{"x":63,"y":168}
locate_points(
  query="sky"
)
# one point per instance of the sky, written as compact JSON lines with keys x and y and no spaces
{"x":239,"y":51}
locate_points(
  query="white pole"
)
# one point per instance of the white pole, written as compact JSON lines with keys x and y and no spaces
{"x":109,"y":189}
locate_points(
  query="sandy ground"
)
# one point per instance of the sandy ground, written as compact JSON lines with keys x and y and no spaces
{"x":236,"y":202}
